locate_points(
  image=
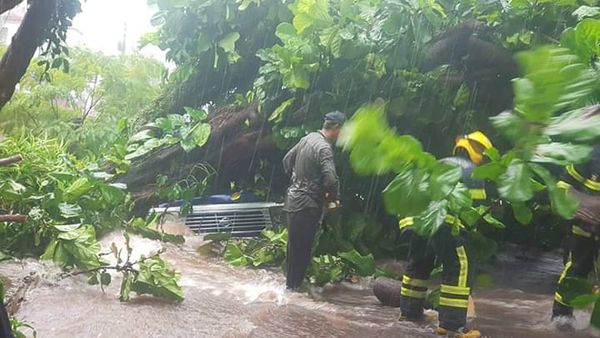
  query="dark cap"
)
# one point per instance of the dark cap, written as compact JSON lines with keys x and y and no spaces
{"x":336,"y":116}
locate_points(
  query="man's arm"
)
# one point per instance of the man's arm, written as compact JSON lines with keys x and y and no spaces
{"x":289,"y":160}
{"x":328,"y":173}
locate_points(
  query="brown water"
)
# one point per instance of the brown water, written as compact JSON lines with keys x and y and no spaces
{"x":222,"y":301}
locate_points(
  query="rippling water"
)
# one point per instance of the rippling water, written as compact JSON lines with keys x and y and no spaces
{"x":222,"y":301}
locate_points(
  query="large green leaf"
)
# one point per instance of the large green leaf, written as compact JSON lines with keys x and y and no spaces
{"x":584,"y":39}
{"x":570,"y":288}
{"x":407,"y":194}
{"x":562,"y":203}
{"x":157,"y":278}
{"x":228,"y":45}
{"x":234,"y":255}
{"x":81,"y":186}
{"x":362,"y":265}
{"x":429,"y":221}
{"x":201,"y":134}
{"x":515,"y":184}
{"x":522,"y":213}
{"x":579,"y":125}
{"x":277,"y":113}
{"x":561,"y":153}
{"x":69,"y":210}
{"x":553,"y":79}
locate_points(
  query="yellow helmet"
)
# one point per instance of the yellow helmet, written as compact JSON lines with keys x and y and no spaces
{"x":474,"y":144}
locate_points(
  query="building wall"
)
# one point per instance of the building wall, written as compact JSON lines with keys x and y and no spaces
{"x":10,"y":21}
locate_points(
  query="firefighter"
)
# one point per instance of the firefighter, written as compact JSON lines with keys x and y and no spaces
{"x":583,"y":244}
{"x":449,"y":249}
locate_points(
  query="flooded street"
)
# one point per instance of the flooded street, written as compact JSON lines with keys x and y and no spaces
{"x":222,"y":301}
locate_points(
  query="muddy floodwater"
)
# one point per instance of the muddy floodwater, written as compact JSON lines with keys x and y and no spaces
{"x":222,"y":301}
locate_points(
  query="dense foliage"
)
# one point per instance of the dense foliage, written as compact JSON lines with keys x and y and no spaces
{"x":416,"y":72}
{"x":441,"y":67}
{"x":74,"y":131}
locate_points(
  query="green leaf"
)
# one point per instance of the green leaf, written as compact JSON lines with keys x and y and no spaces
{"x":197,"y":115}
{"x":515,"y":184}
{"x":491,"y":220}
{"x":69,"y":210}
{"x":228,"y":45}
{"x":81,"y":186}
{"x":156,"y":278}
{"x":553,"y":79}
{"x":105,"y":278}
{"x":561,"y":153}
{"x":584,"y":301}
{"x":362,"y":265}
{"x":570,"y":288}
{"x":111,"y":194}
{"x":575,"y":126}
{"x":142,"y":136}
{"x":462,"y":96}
{"x":562,"y":203}
{"x":228,"y":42}
{"x":522,"y":213}
{"x":586,"y":12}
{"x":277,"y":113}
{"x":490,"y":171}
{"x":126,"y":286}
{"x":93,"y":279}
{"x":429,"y":221}
{"x":301,"y":22}
{"x":407,"y":193}
{"x":331,"y":39}
{"x":201,"y":134}
{"x":234,"y":255}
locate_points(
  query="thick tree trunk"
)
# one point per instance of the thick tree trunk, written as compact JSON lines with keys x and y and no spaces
{"x":29,"y":37}
{"x":234,"y":151}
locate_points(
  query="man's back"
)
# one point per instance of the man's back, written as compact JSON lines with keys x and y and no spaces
{"x":311,"y":165}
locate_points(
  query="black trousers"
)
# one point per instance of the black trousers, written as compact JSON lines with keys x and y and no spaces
{"x":451,"y":251}
{"x":302,"y":227}
{"x":5,"y":330}
{"x":583,"y":251}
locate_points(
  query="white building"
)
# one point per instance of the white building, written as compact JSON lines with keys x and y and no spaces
{"x":10,"y":21}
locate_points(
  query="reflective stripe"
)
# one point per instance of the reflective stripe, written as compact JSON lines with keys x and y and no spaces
{"x":590,"y":184}
{"x":455,"y":290}
{"x":563,"y":274}
{"x":573,"y":172}
{"x":563,"y":185}
{"x":414,"y":281}
{"x":464,"y":266}
{"x":459,"y":303}
{"x":478,"y":194}
{"x":580,"y":232}
{"x":593,"y":185}
{"x":407,"y":221}
{"x":412,"y":293}
{"x":558,"y":298}
{"x":453,"y":221}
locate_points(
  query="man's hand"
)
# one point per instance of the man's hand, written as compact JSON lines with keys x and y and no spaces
{"x":332,"y":206}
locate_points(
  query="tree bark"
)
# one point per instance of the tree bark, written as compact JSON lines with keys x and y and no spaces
{"x":30,"y":35}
